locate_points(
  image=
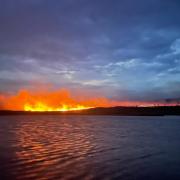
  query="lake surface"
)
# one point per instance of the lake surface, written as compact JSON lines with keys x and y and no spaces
{"x":89,"y":147}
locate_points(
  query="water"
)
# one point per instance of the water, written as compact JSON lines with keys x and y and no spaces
{"x":89,"y":147}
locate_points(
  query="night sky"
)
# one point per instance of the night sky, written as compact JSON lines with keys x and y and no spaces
{"x":122,"y":49}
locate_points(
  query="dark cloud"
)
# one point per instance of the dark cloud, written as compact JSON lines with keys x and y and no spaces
{"x":123,"y":46}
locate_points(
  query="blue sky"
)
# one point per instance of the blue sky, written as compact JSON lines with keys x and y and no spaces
{"x":122,"y":49}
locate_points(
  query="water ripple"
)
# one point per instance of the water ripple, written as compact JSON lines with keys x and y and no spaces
{"x":53,"y":147}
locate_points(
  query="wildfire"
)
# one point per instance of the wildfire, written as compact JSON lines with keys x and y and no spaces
{"x":43,"y":107}
{"x":59,"y":100}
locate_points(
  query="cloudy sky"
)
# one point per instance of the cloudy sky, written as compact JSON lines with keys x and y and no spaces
{"x":122,"y":49}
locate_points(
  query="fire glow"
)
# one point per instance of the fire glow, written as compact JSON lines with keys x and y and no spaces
{"x":43,"y":107}
{"x":59,"y":100}
{"x":62,"y":100}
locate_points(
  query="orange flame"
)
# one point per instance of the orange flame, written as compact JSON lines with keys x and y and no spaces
{"x":43,"y":107}
{"x":60,"y":100}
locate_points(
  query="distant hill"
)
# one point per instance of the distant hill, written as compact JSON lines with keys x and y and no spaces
{"x":121,"y":111}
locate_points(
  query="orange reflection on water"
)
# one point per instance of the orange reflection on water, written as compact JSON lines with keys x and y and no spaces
{"x":43,"y":149}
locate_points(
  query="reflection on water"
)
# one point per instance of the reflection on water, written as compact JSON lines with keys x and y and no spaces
{"x":89,"y":147}
{"x":50,"y":146}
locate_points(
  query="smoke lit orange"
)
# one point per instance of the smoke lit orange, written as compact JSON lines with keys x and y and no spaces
{"x":60,"y":100}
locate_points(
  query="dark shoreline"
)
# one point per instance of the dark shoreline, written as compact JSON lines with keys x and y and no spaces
{"x":119,"y":111}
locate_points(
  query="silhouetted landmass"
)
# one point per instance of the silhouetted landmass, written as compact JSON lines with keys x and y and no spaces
{"x":121,"y":111}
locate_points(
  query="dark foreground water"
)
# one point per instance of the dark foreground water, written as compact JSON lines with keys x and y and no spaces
{"x":89,"y":147}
